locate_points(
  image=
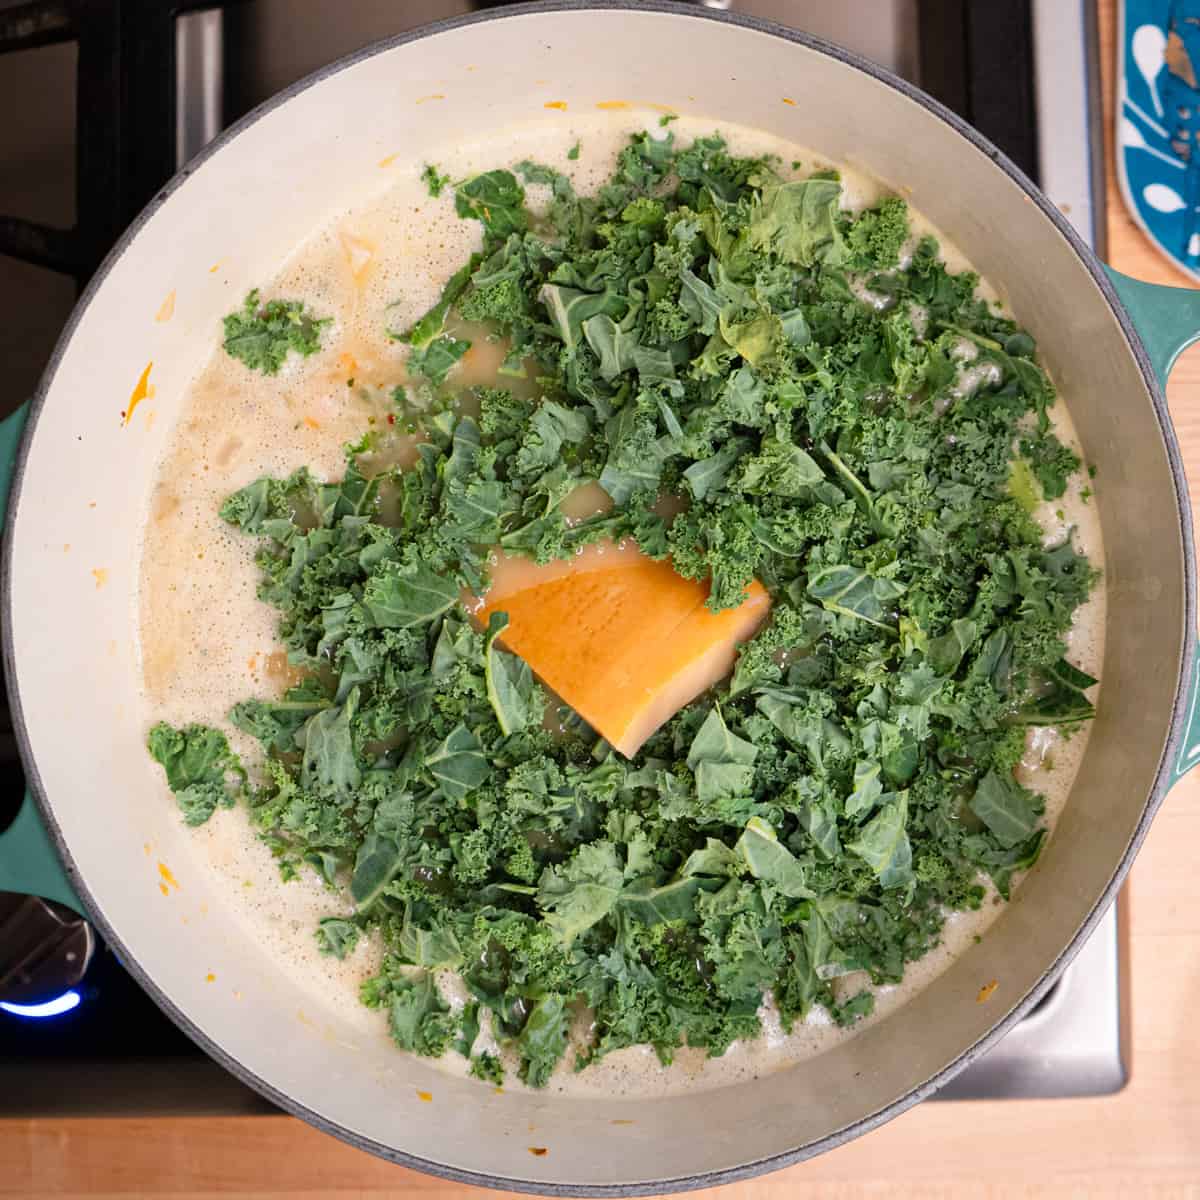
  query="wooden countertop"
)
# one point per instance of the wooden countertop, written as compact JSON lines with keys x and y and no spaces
{"x":1144,"y":1141}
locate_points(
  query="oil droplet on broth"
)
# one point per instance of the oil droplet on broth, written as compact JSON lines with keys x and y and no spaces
{"x":358,"y":252}
{"x":200,"y":630}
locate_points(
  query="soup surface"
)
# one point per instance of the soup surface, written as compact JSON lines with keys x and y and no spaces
{"x":207,"y":642}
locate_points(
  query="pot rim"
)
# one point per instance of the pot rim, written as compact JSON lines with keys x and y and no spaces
{"x":1163,"y":776}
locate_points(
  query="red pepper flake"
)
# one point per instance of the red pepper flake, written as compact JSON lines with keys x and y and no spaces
{"x":985,"y":992}
{"x":538,"y":1151}
{"x":391,"y":418}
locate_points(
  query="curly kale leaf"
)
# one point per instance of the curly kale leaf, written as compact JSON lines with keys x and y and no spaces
{"x":263,"y":335}
{"x":201,"y":769}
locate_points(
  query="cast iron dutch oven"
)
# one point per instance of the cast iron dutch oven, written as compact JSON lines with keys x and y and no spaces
{"x":83,"y":478}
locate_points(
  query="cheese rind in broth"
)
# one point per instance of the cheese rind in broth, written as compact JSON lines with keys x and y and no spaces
{"x":622,"y":638}
{"x":206,"y":642}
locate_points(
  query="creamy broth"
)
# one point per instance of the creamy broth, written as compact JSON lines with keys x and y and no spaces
{"x":206,"y":642}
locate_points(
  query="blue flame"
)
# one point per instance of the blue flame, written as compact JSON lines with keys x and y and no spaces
{"x":51,"y":1008}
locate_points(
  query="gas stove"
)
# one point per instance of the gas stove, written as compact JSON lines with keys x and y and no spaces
{"x":153,"y":81}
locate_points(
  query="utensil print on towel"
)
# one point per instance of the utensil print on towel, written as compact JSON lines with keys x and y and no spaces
{"x":1149,"y":52}
{"x":1162,"y":198}
{"x":1133,"y":139}
{"x":1167,"y":200}
{"x":1158,"y":125}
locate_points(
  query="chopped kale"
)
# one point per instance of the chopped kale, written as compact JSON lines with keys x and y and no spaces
{"x":1052,"y":463}
{"x":434,"y":180}
{"x":336,"y":936}
{"x":488,"y":1067}
{"x":263,"y":335}
{"x":201,"y":769}
{"x":704,"y":328}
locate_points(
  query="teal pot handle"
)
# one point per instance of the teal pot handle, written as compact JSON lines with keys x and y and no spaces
{"x":1168,"y":321}
{"x":1167,"y":318}
{"x":28,"y":862}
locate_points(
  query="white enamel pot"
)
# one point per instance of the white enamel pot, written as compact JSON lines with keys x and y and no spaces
{"x":82,"y":479}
